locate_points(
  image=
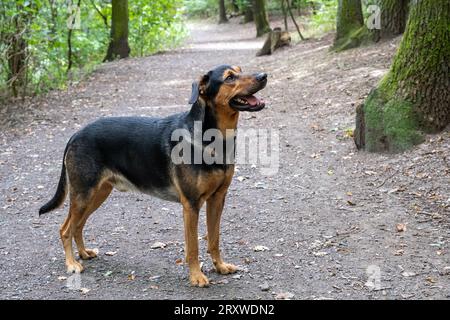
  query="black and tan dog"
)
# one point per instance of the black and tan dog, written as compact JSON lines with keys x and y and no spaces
{"x":134,"y":153}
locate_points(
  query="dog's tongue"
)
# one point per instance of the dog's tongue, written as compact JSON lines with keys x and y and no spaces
{"x":252,"y":100}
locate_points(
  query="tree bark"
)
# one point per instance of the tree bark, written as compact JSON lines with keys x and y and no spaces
{"x":394,"y":15}
{"x":414,"y":96}
{"x":118,"y":45}
{"x":261,"y":18}
{"x":222,"y":12}
{"x":283,"y":10}
{"x":293,"y":20}
{"x":349,"y":23}
{"x":17,"y":50}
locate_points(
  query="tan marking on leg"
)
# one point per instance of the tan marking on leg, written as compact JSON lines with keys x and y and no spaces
{"x":214,"y":208}
{"x":190,"y":216}
{"x":97,"y":198}
{"x":66,"y":232}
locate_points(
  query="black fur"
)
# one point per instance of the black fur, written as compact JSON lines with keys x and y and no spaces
{"x":137,"y":148}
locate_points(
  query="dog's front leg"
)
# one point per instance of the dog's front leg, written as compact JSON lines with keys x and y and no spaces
{"x":190,"y":216}
{"x":214,"y":208}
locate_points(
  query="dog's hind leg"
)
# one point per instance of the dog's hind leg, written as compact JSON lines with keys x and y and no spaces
{"x":97,"y":198}
{"x":67,"y":232}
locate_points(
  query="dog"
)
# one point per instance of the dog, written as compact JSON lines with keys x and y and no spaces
{"x":135,"y":153}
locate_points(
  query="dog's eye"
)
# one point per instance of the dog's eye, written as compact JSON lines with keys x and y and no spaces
{"x":231,"y":77}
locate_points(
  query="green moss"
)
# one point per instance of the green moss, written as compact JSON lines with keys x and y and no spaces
{"x":354,"y":39}
{"x":391,"y":124}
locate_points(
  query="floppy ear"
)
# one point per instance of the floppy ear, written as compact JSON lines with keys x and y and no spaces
{"x":194,"y":93}
{"x":199,"y":88}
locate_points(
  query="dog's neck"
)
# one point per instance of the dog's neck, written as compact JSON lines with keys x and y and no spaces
{"x":215,"y":117}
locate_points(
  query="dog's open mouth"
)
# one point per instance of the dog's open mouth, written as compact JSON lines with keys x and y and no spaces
{"x":247,"y":103}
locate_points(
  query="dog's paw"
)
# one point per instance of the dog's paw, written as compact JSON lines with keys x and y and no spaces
{"x":74,"y":267}
{"x":88,"y":254}
{"x":225,"y":268}
{"x":198,"y":279}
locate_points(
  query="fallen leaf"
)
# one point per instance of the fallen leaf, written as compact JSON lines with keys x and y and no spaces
{"x":264,"y":287}
{"x":260,"y":248}
{"x":284,"y":296}
{"x":84,"y":290}
{"x":131,"y":277}
{"x":351,"y":203}
{"x":431,"y":280}
{"x":408,"y":274}
{"x":223,"y":281}
{"x":401,"y":227}
{"x":179,"y":261}
{"x":158,"y":245}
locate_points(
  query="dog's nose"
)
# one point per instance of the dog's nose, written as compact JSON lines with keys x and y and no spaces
{"x":261,"y":77}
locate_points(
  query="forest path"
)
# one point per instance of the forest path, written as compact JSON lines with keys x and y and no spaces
{"x":328,"y":217}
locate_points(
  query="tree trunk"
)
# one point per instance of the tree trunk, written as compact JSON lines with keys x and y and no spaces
{"x":349,"y":24}
{"x":261,"y":18}
{"x":248,"y":12}
{"x":222,"y":12}
{"x":17,"y":50}
{"x":235,"y":6}
{"x":394,"y":14}
{"x":283,"y":10}
{"x":414,"y":96}
{"x":118,"y":45}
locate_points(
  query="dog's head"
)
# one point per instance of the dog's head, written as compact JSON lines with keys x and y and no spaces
{"x":227,"y":88}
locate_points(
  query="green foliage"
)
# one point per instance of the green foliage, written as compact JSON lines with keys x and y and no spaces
{"x":201,"y":8}
{"x":153,"y":26}
{"x":325,"y":18}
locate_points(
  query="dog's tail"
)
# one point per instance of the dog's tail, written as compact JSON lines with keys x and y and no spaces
{"x":61,"y":192}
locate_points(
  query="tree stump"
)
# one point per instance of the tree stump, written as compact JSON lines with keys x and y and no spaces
{"x":275,"y":39}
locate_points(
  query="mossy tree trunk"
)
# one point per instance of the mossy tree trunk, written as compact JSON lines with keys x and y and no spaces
{"x":414,"y":96}
{"x":222,"y":12}
{"x":394,"y":14}
{"x":118,"y":45}
{"x":261,"y":18}
{"x":349,"y":22}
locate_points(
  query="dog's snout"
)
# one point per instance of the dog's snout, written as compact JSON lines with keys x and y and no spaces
{"x":261,"y":77}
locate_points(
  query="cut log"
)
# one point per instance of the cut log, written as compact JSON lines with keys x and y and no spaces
{"x":275,"y":39}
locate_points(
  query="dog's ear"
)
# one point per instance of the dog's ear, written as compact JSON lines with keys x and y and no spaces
{"x":195,"y":93}
{"x":199,"y":88}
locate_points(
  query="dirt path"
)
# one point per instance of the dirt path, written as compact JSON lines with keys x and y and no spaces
{"x":328,"y":217}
